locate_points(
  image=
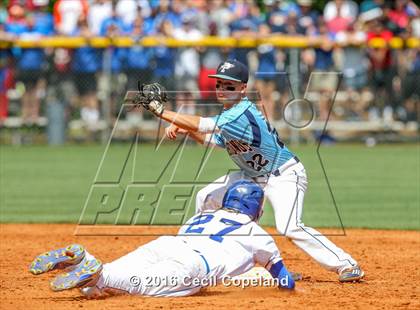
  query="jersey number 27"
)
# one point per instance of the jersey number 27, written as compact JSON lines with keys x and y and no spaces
{"x":194,"y":227}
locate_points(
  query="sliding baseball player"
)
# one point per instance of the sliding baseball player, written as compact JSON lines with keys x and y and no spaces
{"x":211,"y":248}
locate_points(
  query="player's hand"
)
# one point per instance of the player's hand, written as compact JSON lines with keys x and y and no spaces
{"x":152,"y":97}
{"x":172,"y":131}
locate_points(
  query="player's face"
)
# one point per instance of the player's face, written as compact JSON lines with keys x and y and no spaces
{"x":229,"y":92}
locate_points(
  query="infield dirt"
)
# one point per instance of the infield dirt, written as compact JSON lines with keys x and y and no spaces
{"x":389,"y":258}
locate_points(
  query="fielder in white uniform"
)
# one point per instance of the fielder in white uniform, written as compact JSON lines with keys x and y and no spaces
{"x":261,"y":156}
{"x":212,"y":247}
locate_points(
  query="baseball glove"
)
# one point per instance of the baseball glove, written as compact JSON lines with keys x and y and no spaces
{"x":152,"y":97}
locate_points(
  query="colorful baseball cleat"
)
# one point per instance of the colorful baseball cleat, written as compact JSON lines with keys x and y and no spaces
{"x":85,"y":274}
{"x":57,"y":259}
{"x":352,"y":274}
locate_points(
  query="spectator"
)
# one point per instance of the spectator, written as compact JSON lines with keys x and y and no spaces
{"x":399,"y":17}
{"x":202,"y":15}
{"x":16,"y":22}
{"x":355,"y":69}
{"x":221,"y":16}
{"x":86,"y":63}
{"x":6,"y":73}
{"x":291,"y":26}
{"x":98,"y":12}
{"x":29,"y":5}
{"x":114,"y":59}
{"x":145,"y":7}
{"x":190,"y":7}
{"x":381,"y":74}
{"x":165,"y":12}
{"x":277,"y":17}
{"x":187,"y":65}
{"x":30,"y":62}
{"x":239,"y":9}
{"x":411,"y":89}
{"x":164,"y":57}
{"x":112,"y":27}
{"x":138,"y":57}
{"x":67,"y":13}
{"x":307,"y":17}
{"x":324,"y":54}
{"x":138,"y":64}
{"x":127,"y":10}
{"x":244,"y":27}
{"x":43,"y":21}
{"x":339,"y":14}
{"x":210,"y":58}
{"x":6,"y":82}
{"x":266,"y":74}
{"x":324,"y":80}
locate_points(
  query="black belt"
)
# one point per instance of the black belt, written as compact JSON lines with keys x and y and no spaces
{"x":276,"y":172}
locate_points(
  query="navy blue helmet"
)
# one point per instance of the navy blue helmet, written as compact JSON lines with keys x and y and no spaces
{"x":246,"y":197}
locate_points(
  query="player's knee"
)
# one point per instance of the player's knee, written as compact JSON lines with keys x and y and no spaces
{"x":281,"y":227}
{"x":289,"y":231}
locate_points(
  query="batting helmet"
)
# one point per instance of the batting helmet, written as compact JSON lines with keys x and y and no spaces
{"x":246,"y":197}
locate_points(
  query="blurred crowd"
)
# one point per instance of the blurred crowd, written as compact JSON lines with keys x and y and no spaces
{"x":377,"y":82}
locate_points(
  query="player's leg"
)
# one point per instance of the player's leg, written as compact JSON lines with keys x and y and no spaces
{"x":155,"y":269}
{"x":211,"y":196}
{"x":286,"y":194}
{"x":86,"y":273}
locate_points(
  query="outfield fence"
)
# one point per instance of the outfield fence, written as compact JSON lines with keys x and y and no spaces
{"x":76,"y":94}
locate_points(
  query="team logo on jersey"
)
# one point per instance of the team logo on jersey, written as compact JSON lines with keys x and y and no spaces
{"x":226,"y":66}
{"x":235,"y":147}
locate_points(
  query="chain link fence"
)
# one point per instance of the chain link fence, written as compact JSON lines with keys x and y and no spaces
{"x":75,"y":89}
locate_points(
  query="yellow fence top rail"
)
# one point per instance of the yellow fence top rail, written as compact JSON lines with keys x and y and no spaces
{"x":150,"y":41}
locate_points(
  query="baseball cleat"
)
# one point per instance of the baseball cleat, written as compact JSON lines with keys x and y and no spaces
{"x":57,"y":259}
{"x":85,"y":274}
{"x":352,"y":274}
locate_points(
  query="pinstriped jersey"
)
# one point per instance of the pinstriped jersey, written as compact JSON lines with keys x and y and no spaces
{"x":249,"y":139}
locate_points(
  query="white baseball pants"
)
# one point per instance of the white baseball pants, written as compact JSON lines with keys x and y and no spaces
{"x":162,"y":267}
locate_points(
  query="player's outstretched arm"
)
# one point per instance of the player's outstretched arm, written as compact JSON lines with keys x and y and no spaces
{"x":172,"y":131}
{"x":185,"y":121}
{"x":268,"y":255}
{"x":153,"y":98}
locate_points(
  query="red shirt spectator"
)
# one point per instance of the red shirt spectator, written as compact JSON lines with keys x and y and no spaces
{"x":380,"y":57}
{"x":16,"y":15}
{"x":399,"y":15}
{"x":28,"y":4}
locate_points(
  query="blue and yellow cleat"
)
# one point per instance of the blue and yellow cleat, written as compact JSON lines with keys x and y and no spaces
{"x":352,"y":274}
{"x":85,"y":274}
{"x":57,"y":259}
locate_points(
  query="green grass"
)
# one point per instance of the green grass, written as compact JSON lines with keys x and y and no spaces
{"x":373,"y":187}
